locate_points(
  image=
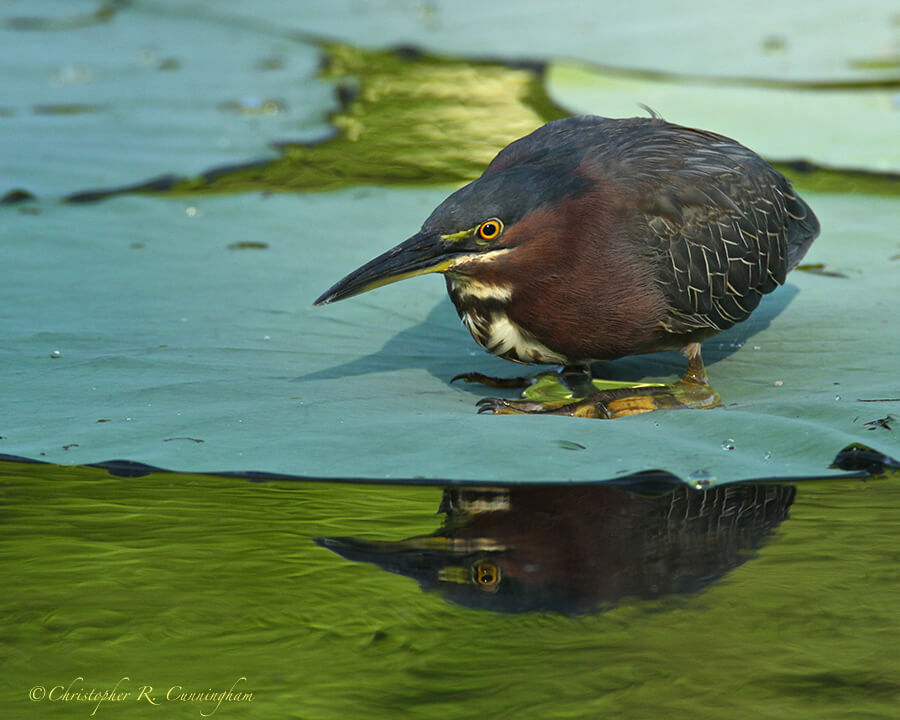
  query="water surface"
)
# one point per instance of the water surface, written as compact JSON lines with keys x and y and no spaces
{"x":762,"y":600}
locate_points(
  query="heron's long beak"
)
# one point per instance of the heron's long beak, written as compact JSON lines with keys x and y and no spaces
{"x":422,"y":253}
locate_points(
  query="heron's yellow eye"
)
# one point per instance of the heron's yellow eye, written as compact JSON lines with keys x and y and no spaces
{"x":490,"y":229}
{"x":487,"y":576}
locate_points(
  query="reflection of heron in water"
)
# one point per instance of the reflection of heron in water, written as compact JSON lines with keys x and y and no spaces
{"x":577,"y":549}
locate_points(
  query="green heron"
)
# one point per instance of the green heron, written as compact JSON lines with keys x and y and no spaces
{"x":595,"y":238}
{"x":574,"y":549}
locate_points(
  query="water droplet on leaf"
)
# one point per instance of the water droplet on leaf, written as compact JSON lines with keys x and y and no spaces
{"x":569,"y":445}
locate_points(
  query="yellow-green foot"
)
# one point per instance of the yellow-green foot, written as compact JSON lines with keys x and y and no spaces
{"x":612,"y":403}
{"x":573,"y":392}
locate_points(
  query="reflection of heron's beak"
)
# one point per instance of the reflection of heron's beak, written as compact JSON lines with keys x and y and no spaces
{"x":422,"y":558}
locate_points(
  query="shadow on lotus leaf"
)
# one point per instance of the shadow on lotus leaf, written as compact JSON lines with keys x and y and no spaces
{"x":581,"y":549}
{"x":441,"y":346}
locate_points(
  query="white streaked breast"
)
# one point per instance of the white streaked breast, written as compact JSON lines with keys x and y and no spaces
{"x":505,"y":338}
{"x":469,"y":288}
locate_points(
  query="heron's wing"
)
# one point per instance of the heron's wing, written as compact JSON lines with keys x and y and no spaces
{"x":726,"y":228}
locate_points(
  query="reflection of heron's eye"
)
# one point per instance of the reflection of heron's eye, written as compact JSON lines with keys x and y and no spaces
{"x":487,"y":576}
